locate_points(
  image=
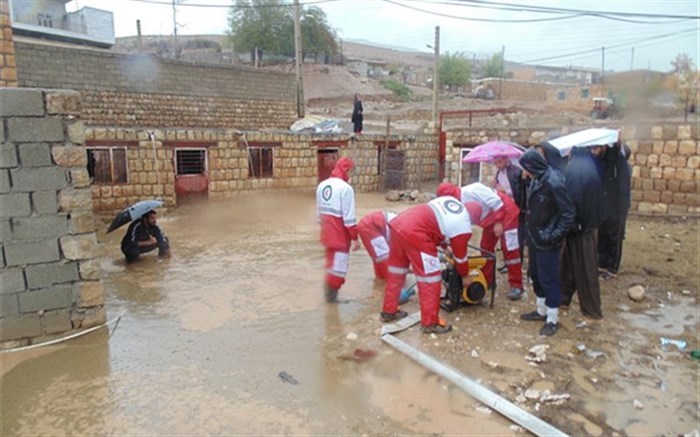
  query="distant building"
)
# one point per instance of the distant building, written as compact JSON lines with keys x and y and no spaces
{"x":48,"y":19}
{"x":545,"y":73}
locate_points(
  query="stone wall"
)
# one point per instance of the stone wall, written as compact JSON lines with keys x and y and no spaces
{"x":665,"y":161}
{"x":152,"y":173}
{"x":50,"y":279}
{"x":8,"y":72}
{"x":129,"y":90}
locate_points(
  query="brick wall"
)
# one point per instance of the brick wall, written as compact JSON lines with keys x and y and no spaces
{"x":128,"y":90}
{"x":50,"y":279}
{"x":152,"y":173}
{"x":8,"y":72}
{"x":665,"y":161}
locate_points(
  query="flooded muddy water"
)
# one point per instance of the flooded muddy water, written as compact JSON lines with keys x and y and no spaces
{"x":205,"y":335}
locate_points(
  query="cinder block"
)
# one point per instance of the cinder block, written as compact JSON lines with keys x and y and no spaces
{"x":15,"y":205}
{"x":15,"y":102}
{"x":24,"y":325}
{"x":5,"y":231}
{"x":36,"y":179}
{"x":57,"y":321}
{"x":17,"y":254}
{"x":32,"y":228}
{"x":56,"y":297}
{"x":45,"y":275}
{"x":35,"y":155}
{"x":9,"y":305}
{"x":45,"y":202}
{"x":5,"y":186}
{"x":48,"y":129}
{"x":12,"y":281}
{"x":8,"y":155}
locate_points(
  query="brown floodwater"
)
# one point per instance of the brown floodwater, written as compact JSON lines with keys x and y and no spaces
{"x":205,"y":335}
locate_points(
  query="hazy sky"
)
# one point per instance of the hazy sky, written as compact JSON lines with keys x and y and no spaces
{"x":392,"y":22}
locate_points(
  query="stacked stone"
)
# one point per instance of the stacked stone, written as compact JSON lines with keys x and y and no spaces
{"x":8,"y":70}
{"x":50,"y":279}
{"x":666,"y":170}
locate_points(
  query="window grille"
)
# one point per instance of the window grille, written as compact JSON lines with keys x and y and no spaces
{"x":107,"y":165}
{"x":191,"y":161}
{"x":260,"y":162}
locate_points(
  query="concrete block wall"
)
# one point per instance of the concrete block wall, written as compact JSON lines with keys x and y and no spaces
{"x":132,"y":91}
{"x":150,"y":161}
{"x":49,"y":279}
{"x":665,"y":161}
{"x":8,"y":71}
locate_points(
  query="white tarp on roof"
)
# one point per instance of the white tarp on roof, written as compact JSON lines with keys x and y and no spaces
{"x":316,"y":124}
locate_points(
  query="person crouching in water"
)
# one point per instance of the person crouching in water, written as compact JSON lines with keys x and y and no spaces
{"x":143,"y":236}
{"x":415,"y":235}
{"x":497,"y":214}
{"x":549,"y":217}
{"x":374,"y":233}
{"x":335,"y":208}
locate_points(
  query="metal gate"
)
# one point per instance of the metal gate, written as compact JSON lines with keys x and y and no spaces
{"x":393,"y":162}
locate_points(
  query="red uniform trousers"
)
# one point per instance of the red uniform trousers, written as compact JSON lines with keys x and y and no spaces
{"x":511,"y":252}
{"x":403,"y":254}
{"x":337,"y":261}
{"x":368,"y":235}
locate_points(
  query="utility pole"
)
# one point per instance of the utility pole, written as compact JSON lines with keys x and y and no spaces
{"x":632,"y":60}
{"x":602,"y":68}
{"x":139,"y":41}
{"x":503,"y":71}
{"x":298,"y":59}
{"x":435,"y":73}
{"x":177,"y":51}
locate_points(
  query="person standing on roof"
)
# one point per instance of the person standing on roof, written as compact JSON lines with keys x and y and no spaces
{"x":497,"y":214}
{"x":335,"y":208}
{"x":357,"y":116}
{"x":374,"y":233}
{"x":415,"y":235}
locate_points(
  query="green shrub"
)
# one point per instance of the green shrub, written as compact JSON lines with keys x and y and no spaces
{"x":397,"y":88}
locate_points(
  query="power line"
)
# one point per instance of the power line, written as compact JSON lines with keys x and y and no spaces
{"x":201,"y":5}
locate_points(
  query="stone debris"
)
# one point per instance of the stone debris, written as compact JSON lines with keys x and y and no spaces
{"x":351,"y":336}
{"x":532,"y":394}
{"x":409,"y":195}
{"x":550,"y":398}
{"x":483,"y":410}
{"x":636,"y":293}
{"x":685,"y":292}
{"x":516,"y":428}
{"x":492,"y":364}
{"x":638,"y":405}
{"x":520,"y":398}
{"x":538,"y":353}
{"x":475,"y":354}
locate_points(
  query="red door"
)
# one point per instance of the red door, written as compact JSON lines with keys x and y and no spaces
{"x":326,"y":162}
{"x":191,"y":181}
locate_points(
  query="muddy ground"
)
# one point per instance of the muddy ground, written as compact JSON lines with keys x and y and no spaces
{"x":205,"y":335}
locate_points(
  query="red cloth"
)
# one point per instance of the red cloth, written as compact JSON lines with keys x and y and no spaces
{"x":372,"y":229}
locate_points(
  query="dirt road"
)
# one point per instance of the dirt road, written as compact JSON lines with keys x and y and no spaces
{"x":206,"y":334}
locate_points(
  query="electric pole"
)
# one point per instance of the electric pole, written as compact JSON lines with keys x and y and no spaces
{"x":602,"y":68}
{"x":435,"y":73}
{"x":503,"y":71}
{"x":175,"y":47}
{"x":298,"y":53}
{"x":632,"y":60}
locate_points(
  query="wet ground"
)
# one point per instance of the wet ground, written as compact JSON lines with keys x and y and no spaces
{"x":205,"y":335}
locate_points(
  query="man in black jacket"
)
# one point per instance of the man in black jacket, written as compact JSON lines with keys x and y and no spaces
{"x":143,"y":236}
{"x":549,"y":217}
{"x":579,"y":260}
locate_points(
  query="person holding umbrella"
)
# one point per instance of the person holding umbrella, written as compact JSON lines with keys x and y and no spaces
{"x":144,"y":236}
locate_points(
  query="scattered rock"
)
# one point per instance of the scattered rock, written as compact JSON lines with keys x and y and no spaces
{"x":289,"y":379}
{"x":686,"y":292}
{"x":638,"y":405}
{"x":483,"y":410}
{"x":636,"y":293}
{"x":516,"y":428}
{"x":475,"y":354}
{"x":392,"y":196}
{"x":352,"y":336}
{"x":532,"y":394}
{"x":520,"y":398}
{"x":425,"y":197}
{"x":552,"y":399}
{"x":580,"y":347}
{"x":414,"y":194}
{"x":492,"y":364}
{"x":538,"y":353}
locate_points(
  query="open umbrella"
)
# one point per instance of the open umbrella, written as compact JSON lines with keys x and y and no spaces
{"x":493,"y":149}
{"x":585,"y":138}
{"x":135,"y":211}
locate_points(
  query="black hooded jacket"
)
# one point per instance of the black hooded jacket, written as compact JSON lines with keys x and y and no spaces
{"x":585,"y":188}
{"x":550,"y":211}
{"x":553,"y":156}
{"x":616,"y":182}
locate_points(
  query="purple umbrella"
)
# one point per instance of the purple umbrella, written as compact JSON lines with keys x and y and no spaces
{"x":493,"y":149}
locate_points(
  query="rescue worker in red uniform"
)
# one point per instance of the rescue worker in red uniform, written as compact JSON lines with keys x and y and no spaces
{"x":497,"y":214}
{"x":415,"y":235}
{"x":335,"y":208}
{"x":374,"y":233}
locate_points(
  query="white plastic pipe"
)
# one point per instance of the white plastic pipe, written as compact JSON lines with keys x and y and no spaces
{"x":532,"y":423}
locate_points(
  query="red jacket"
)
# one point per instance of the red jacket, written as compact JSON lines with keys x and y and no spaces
{"x":335,"y":208}
{"x":432,"y":224}
{"x":485,"y":205}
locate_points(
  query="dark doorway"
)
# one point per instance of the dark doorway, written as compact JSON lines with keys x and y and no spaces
{"x":393,"y":169}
